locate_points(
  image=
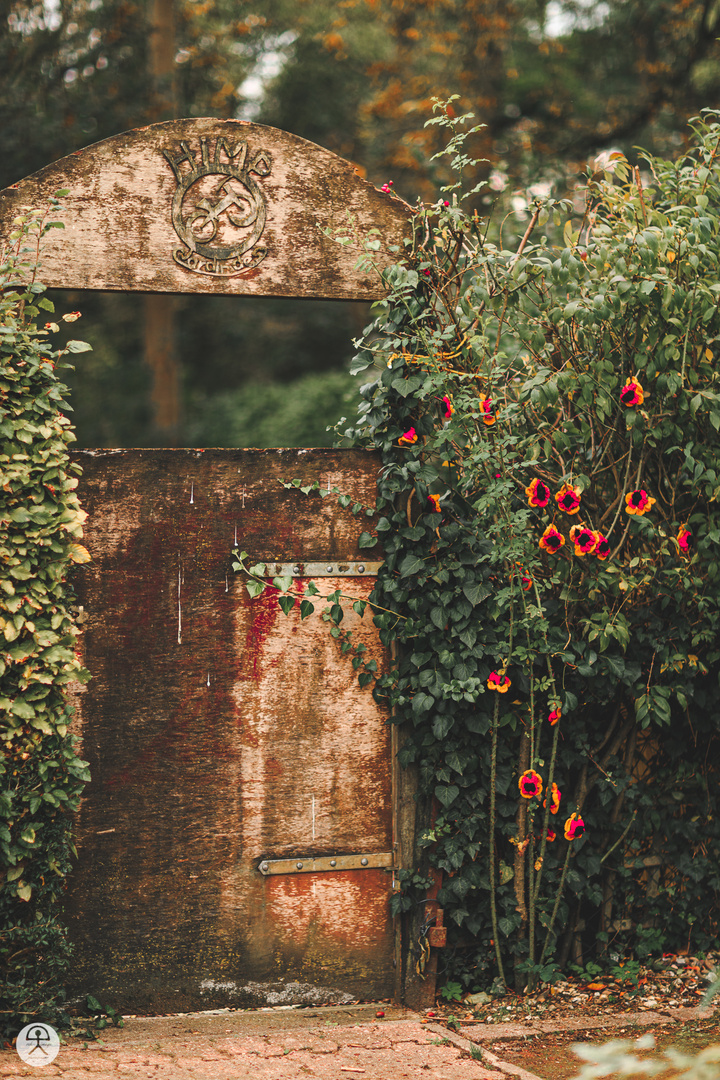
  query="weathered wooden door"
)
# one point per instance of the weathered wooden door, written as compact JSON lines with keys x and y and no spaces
{"x":224,"y":736}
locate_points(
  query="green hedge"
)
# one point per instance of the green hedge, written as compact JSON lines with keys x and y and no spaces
{"x":549,"y":418}
{"x":40,"y":526}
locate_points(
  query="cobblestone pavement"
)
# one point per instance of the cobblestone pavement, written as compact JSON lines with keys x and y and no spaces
{"x":328,"y":1043}
{"x":335,"y":1043}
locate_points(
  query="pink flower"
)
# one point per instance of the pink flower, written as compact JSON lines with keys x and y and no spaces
{"x":632,"y":393}
{"x":448,"y":407}
{"x":486,"y":410}
{"x":499,"y":682}
{"x":584,"y":539}
{"x":602,"y":547}
{"x":551,"y":540}
{"x":684,"y":539}
{"x":408,"y":438}
{"x":530,"y":784}
{"x":574,"y":827}
{"x":568,"y":499}
{"x":538,"y":493}
{"x":555,"y":799}
{"x":638,"y":502}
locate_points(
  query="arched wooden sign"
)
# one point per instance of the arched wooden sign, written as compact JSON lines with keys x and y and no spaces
{"x":210,"y":206}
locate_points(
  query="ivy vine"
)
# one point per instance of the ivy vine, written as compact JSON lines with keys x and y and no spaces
{"x":40,"y":528}
{"x":546,"y":400}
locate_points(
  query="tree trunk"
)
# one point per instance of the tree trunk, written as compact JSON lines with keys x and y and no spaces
{"x":160,"y":352}
{"x":161,"y":358}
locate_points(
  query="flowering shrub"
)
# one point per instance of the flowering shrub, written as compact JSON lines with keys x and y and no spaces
{"x":548,"y":416}
{"x":40,"y":526}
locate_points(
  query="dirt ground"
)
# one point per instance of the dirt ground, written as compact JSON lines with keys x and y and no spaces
{"x":549,"y":1055}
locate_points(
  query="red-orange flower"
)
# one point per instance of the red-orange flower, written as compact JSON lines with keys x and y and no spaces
{"x":551,"y":835}
{"x":568,"y":499}
{"x":530,"y":784}
{"x":552,"y":540}
{"x":555,"y":797}
{"x":602,"y":547}
{"x":448,"y":407}
{"x":554,"y":715}
{"x":435,"y":500}
{"x":538,"y":493}
{"x":526,"y":583}
{"x":632,"y":393}
{"x":685,"y":539}
{"x":498,"y":681}
{"x":638,"y":502}
{"x":408,"y":438}
{"x":486,"y":409}
{"x":574,"y":827}
{"x":584,"y":539}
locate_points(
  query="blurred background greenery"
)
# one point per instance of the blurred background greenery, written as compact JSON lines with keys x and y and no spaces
{"x":555,"y":82}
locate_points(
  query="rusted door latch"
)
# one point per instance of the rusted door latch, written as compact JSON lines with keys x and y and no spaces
{"x":437,"y":934}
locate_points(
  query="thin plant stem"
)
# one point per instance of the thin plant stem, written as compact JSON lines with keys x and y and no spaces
{"x":493,"y":901}
{"x":556,"y":908}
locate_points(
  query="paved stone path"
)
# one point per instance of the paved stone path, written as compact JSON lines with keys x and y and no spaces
{"x":338,"y":1043}
{"x":330,"y":1044}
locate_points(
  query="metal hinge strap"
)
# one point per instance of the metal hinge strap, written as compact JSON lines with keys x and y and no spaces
{"x":322,"y":569}
{"x":329,"y":862}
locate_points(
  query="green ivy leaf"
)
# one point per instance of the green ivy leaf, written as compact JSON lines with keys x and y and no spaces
{"x":287,"y":603}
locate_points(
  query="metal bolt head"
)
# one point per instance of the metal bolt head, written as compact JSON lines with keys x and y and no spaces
{"x":264,"y":867}
{"x":333,"y":862}
{"x":298,"y":866}
{"x":363,"y":861}
{"x":329,"y":569}
{"x":296,"y":569}
{"x":361,"y":568}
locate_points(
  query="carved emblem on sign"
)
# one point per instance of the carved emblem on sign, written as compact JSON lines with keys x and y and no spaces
{"x":218,"y":210}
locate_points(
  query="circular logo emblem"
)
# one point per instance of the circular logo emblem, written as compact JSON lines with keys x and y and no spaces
{"x":218,"y":209}
{"x":37,"y":1044}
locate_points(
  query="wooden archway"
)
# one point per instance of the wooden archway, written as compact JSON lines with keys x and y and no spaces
{"x":197,"y":783}
{"x":209,"y":206}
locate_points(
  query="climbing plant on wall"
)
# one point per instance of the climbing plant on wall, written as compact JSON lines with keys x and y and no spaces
{"x":548,"y":416}
{"x":40,"y":528}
